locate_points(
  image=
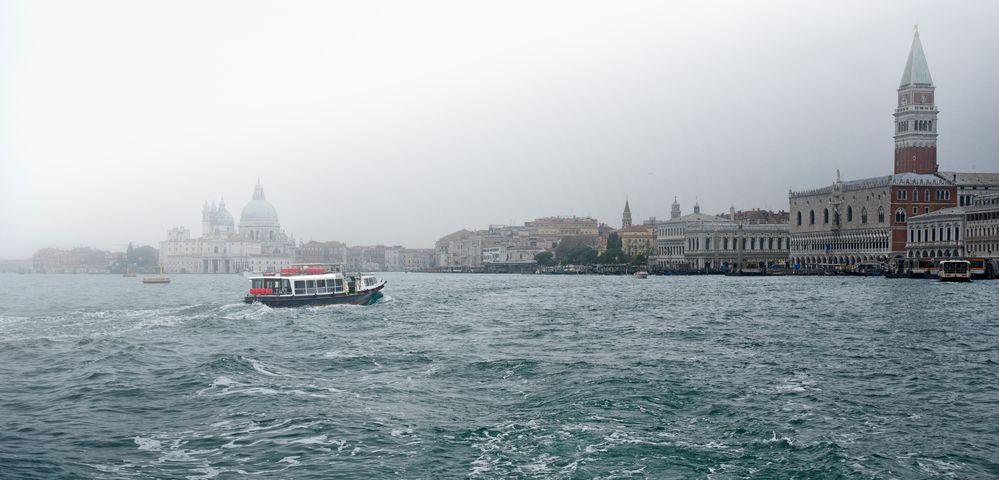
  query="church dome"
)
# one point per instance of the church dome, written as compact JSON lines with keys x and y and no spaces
{"x":259,"y":210}
{"x":223,"y":217}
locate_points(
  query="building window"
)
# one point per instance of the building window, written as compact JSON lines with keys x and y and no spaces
{"x":825,"y":216}
{"x":863,"y":215}
{"x":902,"y":194}
{"x":811,"y":217}
{"x":799,"y":218}
{"x":900,"y":216}
{"x":849,"y":214}
{"x":926,"y":195}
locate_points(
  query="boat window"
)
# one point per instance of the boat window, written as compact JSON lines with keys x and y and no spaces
{"x":321,"y":284}
{"x":310,"y":286}
{"x":299,"y":286}
{"x":257,"y":283}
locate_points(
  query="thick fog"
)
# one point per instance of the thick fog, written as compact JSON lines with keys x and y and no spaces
{"x":400,"y":122}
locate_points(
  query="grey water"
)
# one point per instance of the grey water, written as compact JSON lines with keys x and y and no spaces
{"x":519,"y":376}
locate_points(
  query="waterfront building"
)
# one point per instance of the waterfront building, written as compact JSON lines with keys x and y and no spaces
{"x":971,"y":185}
{"x":259,"y":244}
{"x":757,"y":215}
{"x":982,"y":227}
{"x":417,"y":259}
{"x":726,"y":245}
{"x":459,"y":249}
{"x":865,"y":220}
{"x":16,"y":266}
{"x":937,"y":234}
{"x":76,"y":260}
{"x":321,"y":252}
{"x":549,"y":231}
{"x":671,"y":237}
{"x":637,"y":240}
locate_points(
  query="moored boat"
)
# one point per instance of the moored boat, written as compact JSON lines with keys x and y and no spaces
{"x":954,"y":271}
{"x":160,"y":279}
{"x":314,"y":284}
{"x":748,"y":269}
{"x":641,"y":274}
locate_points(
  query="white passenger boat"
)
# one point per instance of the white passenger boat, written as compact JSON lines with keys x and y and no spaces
{"x":954,"y":271}
{"x":314,"y":284}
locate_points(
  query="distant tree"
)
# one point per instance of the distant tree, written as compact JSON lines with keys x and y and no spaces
{"x":615,"y":251}
{"x":545,"y":259}
{"x":579,"y":255}
{"x":567,"y":245}
{"x":639,"y":260}
{"x":614,"y":242}
{"x":144,"y":256}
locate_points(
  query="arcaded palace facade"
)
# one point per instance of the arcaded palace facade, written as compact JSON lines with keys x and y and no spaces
{"x":258,"y":245}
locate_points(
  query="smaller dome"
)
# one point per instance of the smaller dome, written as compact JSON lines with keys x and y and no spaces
{"x":223,"y":217}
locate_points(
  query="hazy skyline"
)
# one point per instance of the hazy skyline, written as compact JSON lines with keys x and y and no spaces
{"x":398,"y":123}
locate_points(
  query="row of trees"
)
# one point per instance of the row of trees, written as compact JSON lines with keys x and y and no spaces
{"x":576,"y":251}
{"x":141,"y":257}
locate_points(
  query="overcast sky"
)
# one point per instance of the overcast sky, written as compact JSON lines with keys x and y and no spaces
{"x":400,"y":122}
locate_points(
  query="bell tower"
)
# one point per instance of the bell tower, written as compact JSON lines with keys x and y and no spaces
{"x":626,"y":216}
{"x":916,"y":116}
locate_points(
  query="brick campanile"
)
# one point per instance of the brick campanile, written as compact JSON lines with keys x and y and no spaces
{"x":916,"y":116}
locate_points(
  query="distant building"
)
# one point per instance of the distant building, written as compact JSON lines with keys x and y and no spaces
{"x":637,"y":240}
{"x":321,"y":252}
{"x":76,"y":260}
{"x":971,"y":185}
{"x":936,"y":234}
{"x":981,"y":227}
{"x":16,"y":266}
{"x":258,"y":245}
{"x":549,"y":231}
{"x":713,"y":242}
{"x":671,"y":237}
{"x":757,"y":216}
{"x":417,"y":259}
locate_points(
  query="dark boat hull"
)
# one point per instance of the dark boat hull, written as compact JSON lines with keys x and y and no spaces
{"x":365,"y":298}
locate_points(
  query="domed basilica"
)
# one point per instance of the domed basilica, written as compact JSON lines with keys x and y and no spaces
{"x":258,"y":245}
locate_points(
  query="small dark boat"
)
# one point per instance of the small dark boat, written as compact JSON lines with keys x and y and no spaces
{"x":314,"y":284}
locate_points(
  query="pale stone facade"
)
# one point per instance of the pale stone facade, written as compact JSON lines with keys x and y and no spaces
{"x":637,"y":240}
{"x":982,"y":227}
{"x":725,"y":245}
{"x":936,"y":234}
{"x":846,"y":223}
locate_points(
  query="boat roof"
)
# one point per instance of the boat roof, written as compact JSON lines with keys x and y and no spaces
{"x":298,"y":277}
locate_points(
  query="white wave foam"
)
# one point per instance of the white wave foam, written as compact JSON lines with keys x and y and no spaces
{"x":398,"y":432}
{"x":148,"y":444}
{"x":259,"y":366}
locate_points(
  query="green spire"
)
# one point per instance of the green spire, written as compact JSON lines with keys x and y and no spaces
{"x":917,"y":72}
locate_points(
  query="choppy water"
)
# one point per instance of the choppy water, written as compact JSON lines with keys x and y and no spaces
{"x":456,"y":376}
